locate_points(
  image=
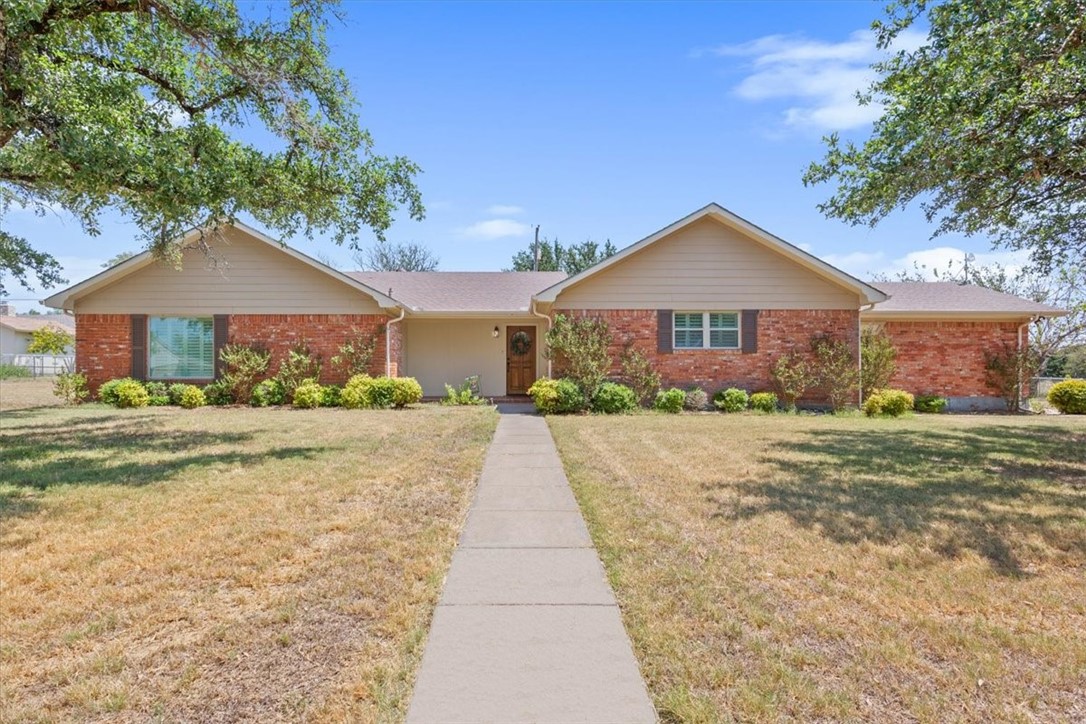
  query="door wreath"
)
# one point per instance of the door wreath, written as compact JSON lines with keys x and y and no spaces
{"x":520,"y":343}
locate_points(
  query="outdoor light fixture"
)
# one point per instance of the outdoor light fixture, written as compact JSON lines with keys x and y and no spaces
{"x":496,"y":332}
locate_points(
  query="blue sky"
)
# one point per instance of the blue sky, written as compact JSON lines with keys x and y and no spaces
{"x":598,"y":121}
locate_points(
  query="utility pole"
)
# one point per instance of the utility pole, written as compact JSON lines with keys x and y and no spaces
{"x":535,"y":250}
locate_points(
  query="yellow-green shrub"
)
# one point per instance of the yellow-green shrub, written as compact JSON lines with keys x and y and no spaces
{"x":363,"y":391}
{"x":1069,"y":397}
{"x":889,"y":403}
{"x":308,"y":395}
{"x":130,"y":393}
{"x":192,"y":397}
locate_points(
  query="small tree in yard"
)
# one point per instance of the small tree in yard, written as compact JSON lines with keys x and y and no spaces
{"x":581,"y":349}
{"x":639,"y":375}
{"x":50,"y":339}
{"x":1005,"y":368}
{"x":245,"y":365}
{"x":877,"y":356}
{"x":835,"y":370}
{"x":792,"y":376}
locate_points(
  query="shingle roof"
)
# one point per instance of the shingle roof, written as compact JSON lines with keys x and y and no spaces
{"x":37,"y":321}
{"x":951,"y":297}
{"x":461,"y":291}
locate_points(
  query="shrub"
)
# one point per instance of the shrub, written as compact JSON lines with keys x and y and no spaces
{"x":835,"y":370}
{"x":308,"y":395}
{"x":268,"y":392}
{"x":1069,"y":397}
{"x":763,"y":402}
{"x":557,"y":396}
{"x":218,"y":393}
{"x":878,"y":360}
{"x":355,"y":354}
{"x":50,"y":339}
{"x":363,"y":391}
{"x":107,"y":391}
{"x":174,"y":392}
{"x":670,"y":401}
{"x":696,"y":399}
{"x":1004,"y":369}
{"x":612,"y":399}
{"x":889,"y":403}
{"x":158,"y":392}
{"x":130,"y":393}
{"x":582,"y":349}
{"x":297,"y":368}
{"x":192,"y":397}
{"x":731,"y":400}
{"x":10,"y":371}
{"x":355,"y":394}
{"x":792,"y":376}
{"x":244,"y":365}
{"x":929,"y":403}
{"x":637,"y":372}
{"x":465,"y":394}
{"x":71,"y":387}
{"x":405,"y":391}
{"x":330,"y":395}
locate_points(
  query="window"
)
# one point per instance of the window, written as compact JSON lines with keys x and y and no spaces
{"x":181,"y":348}
{"x":702,"y":330}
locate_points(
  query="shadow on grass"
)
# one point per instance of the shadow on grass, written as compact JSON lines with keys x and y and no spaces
{"x":986,"y":489}
{"x":115,"y":449}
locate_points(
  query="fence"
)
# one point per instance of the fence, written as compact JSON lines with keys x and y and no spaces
{"x":40,"y":364}
{"x":1039,"y":386}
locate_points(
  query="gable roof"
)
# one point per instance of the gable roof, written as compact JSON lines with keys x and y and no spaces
{"x":461,"y":292}
{"x":64,"y":298}
{"x":870,"y":294}
{"x":33,"y":322}
{"x":950,"y":299}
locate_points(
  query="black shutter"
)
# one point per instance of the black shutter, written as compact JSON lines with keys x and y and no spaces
{"x":750,"y":331}
{"x":221,"y":336}
{"x":663,"y":331}
{"x":139,"y":346}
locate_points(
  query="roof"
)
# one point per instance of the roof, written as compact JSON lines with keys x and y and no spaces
{"x":32,"y":322}
{"x":950,"y":299}
{"x":870,"y":294}
{"x":465,"y":292}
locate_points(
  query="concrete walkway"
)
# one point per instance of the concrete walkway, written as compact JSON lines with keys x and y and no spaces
{"x":527,"y":629}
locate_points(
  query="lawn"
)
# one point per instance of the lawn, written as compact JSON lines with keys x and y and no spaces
{"x":224,"y":564}
{"x":840,"y":568}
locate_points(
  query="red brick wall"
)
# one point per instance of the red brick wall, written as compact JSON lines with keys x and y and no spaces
{"x":103,"y":347}
{"x":779,"y":331}
{"x":947,"y":358}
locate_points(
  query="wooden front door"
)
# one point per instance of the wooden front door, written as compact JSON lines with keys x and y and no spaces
{"x":519,"y":359}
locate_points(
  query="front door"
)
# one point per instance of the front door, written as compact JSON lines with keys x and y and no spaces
{"x":519,"y":359}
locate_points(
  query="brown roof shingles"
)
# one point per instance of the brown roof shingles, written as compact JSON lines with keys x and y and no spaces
{"x":37,"y":321}
{"x":951,"y":297}
{"x":461,"y":291}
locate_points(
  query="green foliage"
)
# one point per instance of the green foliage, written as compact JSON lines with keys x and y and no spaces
{"x":696,"y":399}
{"x":1069,"y":397}
{"x":639,"y":375}
{"x":356,"y":354}
{"x":1067,"y":362}
{"x":218,"y":393}
{"x":982,"y":124}
{"x":877,"y":360}
{"x":71,"y":387}
{"x":10,"y":371}
{"x":465,"y":394}
{"x":175,"y":391}
{"x":192,"y":397}
{"x":670,"y":401}
{"x":763,"y":402}
{"x":731,"y":400}
{"x":50,"y":339}
{"x":835,"y":370}
{"x":612,"y":399}
{"x":244,"y":365}
{"x":363,"y":391}
{"x":308,"y":395}
{"x":159,"y":392}
{"x":581,"y":349}
{"x":1006,"y":368}
{"x":107,"y":391}
{"x":130,"y":393}
{"x":930,"y":403}
{"x":330,"y":395}
{"x":268,"y":392}
{"x":888,"y":403}
{"x":557,"y":397}
{"x":793,"y":376}
{"x":151,"y":107}
{"x":405,"y":391}
{"x":572,"y":259}
{"x":297,"y":368}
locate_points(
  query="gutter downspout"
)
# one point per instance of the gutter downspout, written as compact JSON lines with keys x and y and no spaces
{"x":388,"y":341}
{"x":860,"y":347}
{"x":1022,"y":405}
{"x":549,"y":323}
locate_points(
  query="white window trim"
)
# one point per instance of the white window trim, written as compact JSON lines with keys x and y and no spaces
{"x":705,"y":329}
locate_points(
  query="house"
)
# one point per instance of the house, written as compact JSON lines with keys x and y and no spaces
{"x":16,"y":332}
{"x":711,"y":299}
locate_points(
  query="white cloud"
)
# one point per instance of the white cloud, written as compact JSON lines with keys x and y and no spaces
{"x":495,"y":229}
{"x":504,"y":210}
{"x":939,"y":259}
{"x":818,"y":79}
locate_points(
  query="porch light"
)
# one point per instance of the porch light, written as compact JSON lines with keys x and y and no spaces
{"x":496,"y":332}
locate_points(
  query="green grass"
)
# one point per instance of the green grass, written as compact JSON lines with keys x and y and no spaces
{"x":224,"y":563}
{"x":840,"y":568}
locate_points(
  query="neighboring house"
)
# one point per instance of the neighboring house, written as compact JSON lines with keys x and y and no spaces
{"x":712,"y":300}
{"x":16,"y":331}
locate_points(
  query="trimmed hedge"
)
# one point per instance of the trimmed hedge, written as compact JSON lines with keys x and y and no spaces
{"x":1069,"y":397}
{"x":557,"y":397}
{"x":365,"y":392}
{"x":888,"y":403}
{"x":670,"y":401}
{"x":612,"y":399}
{"x":731,"y":400}
{"x":763,"y":402}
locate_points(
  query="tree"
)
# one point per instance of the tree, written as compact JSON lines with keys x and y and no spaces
{"x":581,"y":349}
{"x":118,"y":258}
{"x":136,"y":105}
{"x":554,"y":257}
{"x":984,"y":125}
{"x":50,"y":339}
{"x":386,"y":256}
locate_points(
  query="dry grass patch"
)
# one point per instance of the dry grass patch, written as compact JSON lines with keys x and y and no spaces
{"x":20,"y":393}
{"x":225,"y":564}
{"x":822,"y":568}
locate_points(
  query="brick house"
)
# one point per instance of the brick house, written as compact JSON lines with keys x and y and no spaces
{"x":711,"y":299}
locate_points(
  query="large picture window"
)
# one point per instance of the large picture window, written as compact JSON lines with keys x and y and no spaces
{"x":706,"y":330}
{"x":181,"y":348}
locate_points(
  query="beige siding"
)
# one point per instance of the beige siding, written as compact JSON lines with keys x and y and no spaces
{"x":257,"y":279}
{"x":707,"y":265}
{"x":439,"y":351}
